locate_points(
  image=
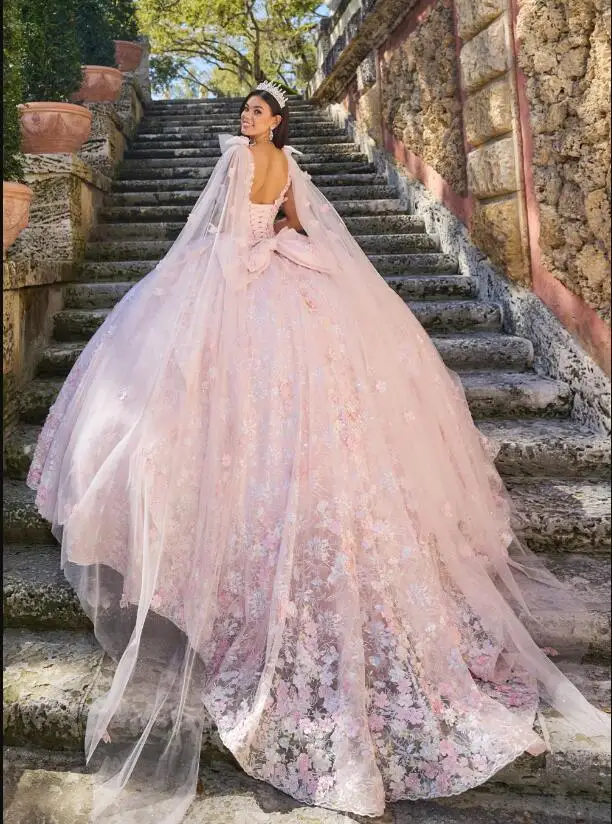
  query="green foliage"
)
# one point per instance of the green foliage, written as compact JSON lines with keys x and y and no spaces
{"x":12,"y":90}
{"x":122,"y":19}
{"x":238,"y":42}
{"x":94,"y":32}
{"x":52,"y":62}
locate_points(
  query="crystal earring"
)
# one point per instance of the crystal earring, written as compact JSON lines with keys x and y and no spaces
{"x":271,"y":135}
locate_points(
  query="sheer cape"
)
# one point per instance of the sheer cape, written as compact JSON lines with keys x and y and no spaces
{"x":291,"y":566}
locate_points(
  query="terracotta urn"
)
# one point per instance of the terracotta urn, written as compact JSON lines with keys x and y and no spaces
{"x":101,"y":84}
{"x":48,"y":127}
{"x":16,"y":199}
{"x":127,"y":54}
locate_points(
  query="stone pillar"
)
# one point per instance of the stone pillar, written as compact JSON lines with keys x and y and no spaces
{"x":113,"y":125}
{"x":323,"y":41}
{"x":492,"y":134}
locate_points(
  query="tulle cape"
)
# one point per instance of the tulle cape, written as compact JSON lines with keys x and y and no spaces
{"x":219,"y":554}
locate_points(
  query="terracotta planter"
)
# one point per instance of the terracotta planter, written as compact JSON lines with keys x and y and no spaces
{"x":15,"y":210}
{"x":101,"y":84}
{"x":49,"y":127}
{"x":127,"y":54}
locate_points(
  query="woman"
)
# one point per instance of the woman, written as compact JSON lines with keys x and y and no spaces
{"x":276,"y":510}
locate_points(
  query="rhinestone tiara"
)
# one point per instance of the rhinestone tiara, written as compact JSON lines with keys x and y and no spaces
{"x":277,"y":93}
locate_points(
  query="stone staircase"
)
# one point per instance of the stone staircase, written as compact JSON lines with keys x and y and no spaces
{"x":557,"y":472}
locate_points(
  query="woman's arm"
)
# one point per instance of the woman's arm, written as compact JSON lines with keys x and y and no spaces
{"x":291,"y":221}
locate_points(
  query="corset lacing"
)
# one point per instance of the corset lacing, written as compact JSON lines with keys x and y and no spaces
{"x":262,"y":215}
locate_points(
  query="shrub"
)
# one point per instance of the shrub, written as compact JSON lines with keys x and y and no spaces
{"x":122,"y":18}
{"x":52,"y":61}
{"x":95,"y":36}
{"x":12,"y":90}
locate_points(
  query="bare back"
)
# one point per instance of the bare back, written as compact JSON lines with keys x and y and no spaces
{"x":271,"y":173}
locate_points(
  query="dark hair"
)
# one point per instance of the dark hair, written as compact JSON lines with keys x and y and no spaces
{"x":281,"y":132}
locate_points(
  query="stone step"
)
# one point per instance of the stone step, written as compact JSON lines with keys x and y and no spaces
{"x":333,"y":193}
{"x":427,"y":264}
{"x":176,"y":184}
{"x":383,"y":225}
{"x":178,"y":151}
{"x":549,"y":514}
{"x":230,"y":126}
{"x":22,"y":523}
{"x":570,"y":513}
{"x":145,"y":249}
{"x":443,"y":316}
{"x":164,"y":213}
{"x":43,"y":786}
{"x":467,"y":351}
{"x":227,"y":117}
{"x":229,"y":103}
{"x":342,"y":194}
{"x":527,"y":447}
{"x":51,"y":678}
{"x":547,"y":447}
{"x":148,"y":141}
{"x":36,"y":595}
{"x":490,"y":394}
{"x":177,"y":167}
{"x":105,"y":294}
{"x":515,"y":394}
{"x":226,"y":104}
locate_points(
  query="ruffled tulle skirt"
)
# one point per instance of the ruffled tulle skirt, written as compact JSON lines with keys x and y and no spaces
{"x":289,"y":525}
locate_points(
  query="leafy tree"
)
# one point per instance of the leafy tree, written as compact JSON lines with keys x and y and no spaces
{"x":122,"y":19}
{"x":227,"y":46}
{"x":12,"y":90}
{"x":94,"y":33}
{"x":52,"y":62}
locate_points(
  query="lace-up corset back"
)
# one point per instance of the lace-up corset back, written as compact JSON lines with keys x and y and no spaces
{"x":262,"y":215}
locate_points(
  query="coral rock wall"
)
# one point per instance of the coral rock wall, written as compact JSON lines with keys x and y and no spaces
{"x":420,"y":104}
{"x":565,"y":55}
{"x":501,"y":109}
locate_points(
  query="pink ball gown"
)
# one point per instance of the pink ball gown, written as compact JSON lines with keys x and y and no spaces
{"x":277,"y":511}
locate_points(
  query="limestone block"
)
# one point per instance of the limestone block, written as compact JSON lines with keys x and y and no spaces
{"x":571,"y":203}
{"x":573,"y":63}
{"x":11,"y":329}
{"x":142,"y":75}
{"x":485,"y":57}
{"x":366,"y":72}
{"x":368,"y":113}
{"x":107,"y":143}
{"x":492,"y":170}
{"x":129,"y":107}
{"x":593,"y":278}
{"x":499,"y":230}
{"x":551,"y":228}
{"x":488,"y":112}
{"x":475,"y":15}
{"x":66,"y":194}
{"x":597,"y":208}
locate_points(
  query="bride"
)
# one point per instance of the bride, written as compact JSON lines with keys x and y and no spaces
{"x":278,"y":514}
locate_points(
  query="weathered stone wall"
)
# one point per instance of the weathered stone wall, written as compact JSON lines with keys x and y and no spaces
{"x":420,"y":102}
{"x":501,"y":109}
{"x":565,"y":55}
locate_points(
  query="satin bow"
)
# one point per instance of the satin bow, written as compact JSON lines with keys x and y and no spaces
{"x":260,"y":254}
{"x":226,"y":141}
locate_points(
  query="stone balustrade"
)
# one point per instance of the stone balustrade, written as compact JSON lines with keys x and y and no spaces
{"x":68,"y":191}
